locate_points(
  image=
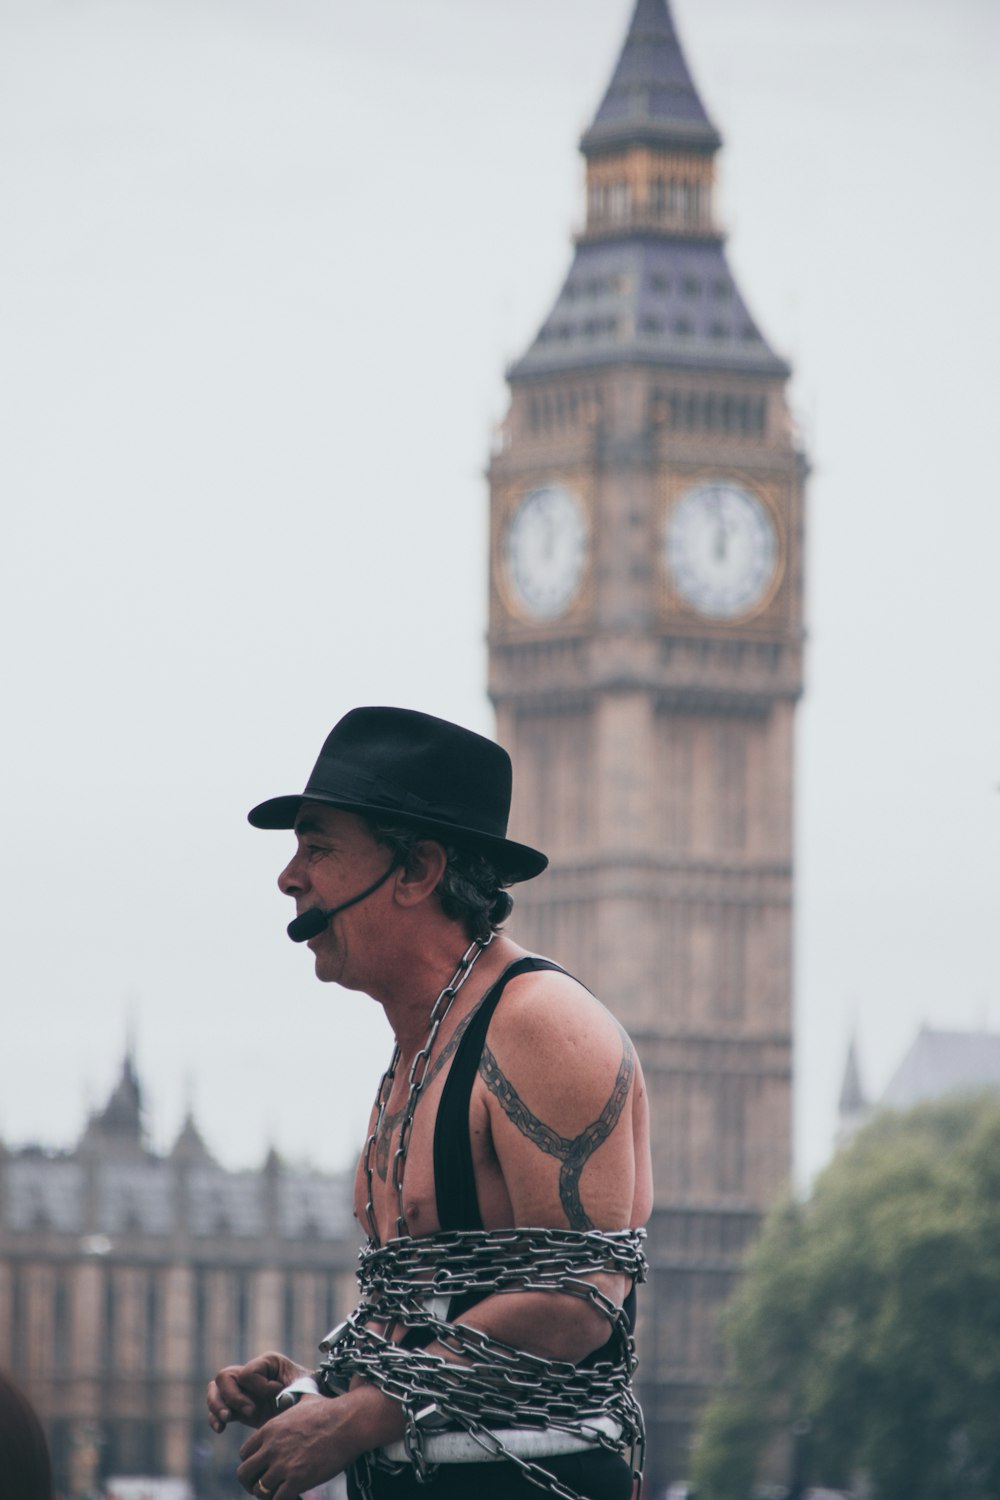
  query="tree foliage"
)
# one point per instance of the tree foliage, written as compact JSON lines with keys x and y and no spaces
{"x":869,"y":1319}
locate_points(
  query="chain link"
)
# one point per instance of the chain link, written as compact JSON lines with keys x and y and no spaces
{"x":417,"y":1075}
{"x":488,"y":1382}
{"x":491,"y":1384}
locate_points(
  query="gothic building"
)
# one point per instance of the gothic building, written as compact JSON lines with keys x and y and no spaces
{"x":645,"y":643}
{"x":938,"y":1065}
{"x":127,"y":1278}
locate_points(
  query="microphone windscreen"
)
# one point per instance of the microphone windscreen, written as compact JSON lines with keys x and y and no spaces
{"x":309,"y":925}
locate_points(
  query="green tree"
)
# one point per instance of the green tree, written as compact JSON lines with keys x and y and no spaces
{"x":869,"y":1321}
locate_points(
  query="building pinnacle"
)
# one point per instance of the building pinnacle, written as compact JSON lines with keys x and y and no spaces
{"x":652,"y":98}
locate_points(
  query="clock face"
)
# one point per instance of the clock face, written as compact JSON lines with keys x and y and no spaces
{"x":545,"y":551}
{"x":721,"y":549}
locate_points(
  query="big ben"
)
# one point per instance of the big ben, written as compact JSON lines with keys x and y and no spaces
{"x":646,"y":636}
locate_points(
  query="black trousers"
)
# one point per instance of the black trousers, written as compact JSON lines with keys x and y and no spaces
{"x":597,"y":1475}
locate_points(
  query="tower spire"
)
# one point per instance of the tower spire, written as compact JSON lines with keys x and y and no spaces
{"x":652,"y":99}
{"x":649,"y":282}
{"x":854,"y":1108}
{"x":853,"y":1099}
{"x":119,"y":1125}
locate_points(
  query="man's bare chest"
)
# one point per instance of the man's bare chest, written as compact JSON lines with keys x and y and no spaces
{"x":405,"y":1180}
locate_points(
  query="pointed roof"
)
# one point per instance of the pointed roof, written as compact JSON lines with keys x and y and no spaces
{"x":651,"y":299}
{"x":118,"y":1128}
{"x":652,"y":97}
{"x":945,"y":1062}
{"x":122,"y":1115}
{"x":852,"y":1095}
{"x":189,"y":1145}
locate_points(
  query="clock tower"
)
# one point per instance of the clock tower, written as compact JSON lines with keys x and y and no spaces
{"x":645,"y":662}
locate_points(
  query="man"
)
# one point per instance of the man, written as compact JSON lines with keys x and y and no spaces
{"x":507,"y":1165}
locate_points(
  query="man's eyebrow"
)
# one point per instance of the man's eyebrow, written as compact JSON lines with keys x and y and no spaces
{"x":308,"y":825}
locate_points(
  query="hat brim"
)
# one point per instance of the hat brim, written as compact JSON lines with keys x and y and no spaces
{"x":514,"y":862}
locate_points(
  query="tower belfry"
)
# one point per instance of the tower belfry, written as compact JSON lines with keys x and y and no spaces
{"x":645,"y":661}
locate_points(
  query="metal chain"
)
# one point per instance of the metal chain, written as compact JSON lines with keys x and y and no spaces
{"x":417,"y":1075}
{"x":494,"y":1383}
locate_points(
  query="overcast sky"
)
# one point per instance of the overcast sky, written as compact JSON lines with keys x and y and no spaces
{"x":262,"y":265}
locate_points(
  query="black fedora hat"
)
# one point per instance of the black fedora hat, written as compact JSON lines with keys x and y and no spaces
{"x":420,"y":771}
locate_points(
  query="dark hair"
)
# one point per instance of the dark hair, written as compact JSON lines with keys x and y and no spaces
{"x":25,"y":1467}
{"x":470,"y":890}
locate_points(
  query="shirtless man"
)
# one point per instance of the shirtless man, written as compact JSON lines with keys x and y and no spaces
{"x":399,"y":879}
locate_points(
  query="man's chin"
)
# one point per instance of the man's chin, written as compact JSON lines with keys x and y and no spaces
{"x":320,"y":958}
{"x":326,"y":966}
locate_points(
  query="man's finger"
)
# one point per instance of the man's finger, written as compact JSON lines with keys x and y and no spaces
{"x":261,"y":1385}
{"x":252,"y":1444}
{"x":251,"y":1471}
{"x":233,"y":1395}
{"x":218,"y":1412}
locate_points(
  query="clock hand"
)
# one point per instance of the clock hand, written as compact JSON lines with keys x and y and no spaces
{"x":549,"y":542}
{"x":721,"y":538}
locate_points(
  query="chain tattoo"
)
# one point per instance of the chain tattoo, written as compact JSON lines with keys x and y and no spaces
{"x":387,"y":1127}
{"x":572,"y":1151}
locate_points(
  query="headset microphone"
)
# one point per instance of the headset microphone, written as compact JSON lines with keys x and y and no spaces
{"x":309,"y":925}
{"x":312,"y":922}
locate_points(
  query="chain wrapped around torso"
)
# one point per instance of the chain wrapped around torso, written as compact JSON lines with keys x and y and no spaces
{"x":408,"y":1283}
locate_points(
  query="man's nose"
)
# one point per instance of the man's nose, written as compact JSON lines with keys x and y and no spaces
{"x":290,"y":880}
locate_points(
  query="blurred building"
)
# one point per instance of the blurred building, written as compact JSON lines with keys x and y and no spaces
{"x":646,"y":643}
{"x":127,"y":1278}
{"x":937,"y":1064}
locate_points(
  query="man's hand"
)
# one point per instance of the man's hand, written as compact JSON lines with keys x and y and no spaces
{"x":316,"y":1440}
{"x":247,"y":1393}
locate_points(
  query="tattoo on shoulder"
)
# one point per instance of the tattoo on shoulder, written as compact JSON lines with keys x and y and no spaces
{"x":572,"y":1151}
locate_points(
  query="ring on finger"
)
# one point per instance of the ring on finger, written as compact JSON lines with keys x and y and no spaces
{"x":262,"y":1488}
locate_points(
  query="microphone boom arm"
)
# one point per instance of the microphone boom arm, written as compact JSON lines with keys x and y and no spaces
{"x":310,"y":924}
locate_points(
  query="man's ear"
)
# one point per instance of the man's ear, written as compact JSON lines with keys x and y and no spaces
{"x":421,"y":875}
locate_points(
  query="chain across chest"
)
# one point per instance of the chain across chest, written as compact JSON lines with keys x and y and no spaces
{"x":386,"y":1121}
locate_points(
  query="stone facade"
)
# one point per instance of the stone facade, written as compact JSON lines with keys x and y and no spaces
{"x":645,"y":680}
{"x":127,"y":1278}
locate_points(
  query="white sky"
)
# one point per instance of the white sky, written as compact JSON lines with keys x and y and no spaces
{"x":262,"y":264}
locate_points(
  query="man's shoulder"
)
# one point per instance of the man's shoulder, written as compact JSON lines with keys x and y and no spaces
{"x":545,"y":1005}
